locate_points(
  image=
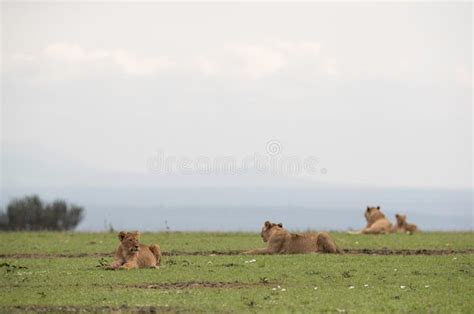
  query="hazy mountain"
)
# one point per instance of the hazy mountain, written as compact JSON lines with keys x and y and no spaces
{"x":239,"y":202}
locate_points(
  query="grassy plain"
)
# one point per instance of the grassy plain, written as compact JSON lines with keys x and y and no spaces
{"x":205,"y":272}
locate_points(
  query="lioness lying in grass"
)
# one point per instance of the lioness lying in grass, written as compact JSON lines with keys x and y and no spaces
{"x":377,"y":223}
{"x":280,"y":241}
{"x":131,"y":254}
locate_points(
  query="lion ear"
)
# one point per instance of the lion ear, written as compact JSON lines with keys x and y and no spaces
{"x":267,"y":224}
{"x":378,"y":207}
{"x":122,"y":235}
{"x":136,"y":234}
{"x":397,"y":215}
{"x":280,"y":225}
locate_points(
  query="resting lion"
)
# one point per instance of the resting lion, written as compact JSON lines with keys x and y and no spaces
{"x":280,"y":241}
{"x":131,"y":254}
{"x":376,"y":222}
{"x":403,"y":225}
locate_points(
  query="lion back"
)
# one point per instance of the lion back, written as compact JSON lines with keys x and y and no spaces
{"x":156,"y":251}
{"x":326,"y":244}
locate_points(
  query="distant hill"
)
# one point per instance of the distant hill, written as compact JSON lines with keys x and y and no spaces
{"x":219,"y":202}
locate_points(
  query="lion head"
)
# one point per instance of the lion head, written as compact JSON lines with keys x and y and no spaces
{"x":130,"y":241}
{"x":373,"y":213}
{"x":267,"y":229}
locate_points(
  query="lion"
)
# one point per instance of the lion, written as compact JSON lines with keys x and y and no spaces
{"x":131,"y":254}
{"x":280,"y":241}
{"x":403,"y":226}
{"x":376,"y":222}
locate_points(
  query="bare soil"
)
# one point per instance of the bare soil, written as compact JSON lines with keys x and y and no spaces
{"x":197,"y":284}
{"x":383,"y":251}
{"x":89,"y":309}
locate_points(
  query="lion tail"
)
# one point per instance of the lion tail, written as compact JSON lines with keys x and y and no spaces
{"x":155,"y":249}
{"x":326,"y":244}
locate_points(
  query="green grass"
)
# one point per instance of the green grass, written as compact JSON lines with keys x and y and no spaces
{"x":73,"y":243}
{"x":442,"y":284}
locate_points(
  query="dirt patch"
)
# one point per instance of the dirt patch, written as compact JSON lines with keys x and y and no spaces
{"x":111,"y":254}
{"x":87,"y":309}
{"x":196,"y":284}
{"x":236,"y":252}
{"x":405,"y":252}
{"x":203,"y":253}
{"x":55,"y":255}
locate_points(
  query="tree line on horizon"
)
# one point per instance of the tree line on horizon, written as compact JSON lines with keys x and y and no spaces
{"x":30,"y":213}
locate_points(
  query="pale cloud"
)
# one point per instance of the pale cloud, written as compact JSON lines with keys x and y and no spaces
{"x":130,"y":63}
{"x":135,"y":65}
{"x":69,"y":53}
{"x":256,"y":61}
{"x":243,"y":61}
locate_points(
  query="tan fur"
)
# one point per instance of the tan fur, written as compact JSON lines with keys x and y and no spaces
{"x":131,"y":254}
{"x":376,"y":222}
{"x":403,"y":225}
{"x":280,"y":241}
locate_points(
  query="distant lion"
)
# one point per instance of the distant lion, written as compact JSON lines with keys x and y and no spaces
{"x":403,"y":225}
{"x":376,"y":222}
{"x":131,"y":254}
{"x":280,"y":241}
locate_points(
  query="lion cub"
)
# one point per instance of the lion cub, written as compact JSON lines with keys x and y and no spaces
{"x":376,"y":222}
{"x":131,"y":254}
{"x":280,"y":241}
{"x":403,"y":225}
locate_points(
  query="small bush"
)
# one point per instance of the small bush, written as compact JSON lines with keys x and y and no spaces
{"x":31,"y":213}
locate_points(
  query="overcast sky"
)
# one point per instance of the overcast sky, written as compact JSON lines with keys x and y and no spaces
{"x":381,"y":94}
